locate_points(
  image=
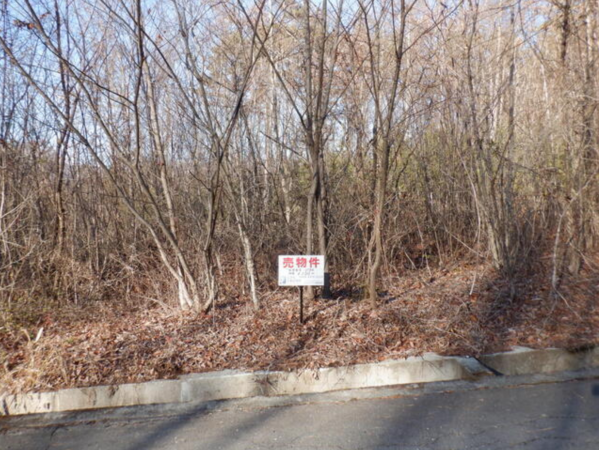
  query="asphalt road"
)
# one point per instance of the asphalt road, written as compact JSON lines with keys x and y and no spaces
{"x":553,"y":415}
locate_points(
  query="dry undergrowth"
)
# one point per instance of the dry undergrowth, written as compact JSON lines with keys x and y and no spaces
{"x":460,"y":311}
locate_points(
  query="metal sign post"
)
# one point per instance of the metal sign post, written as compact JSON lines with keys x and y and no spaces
{"x":301,"y":288}
{"x":301,"y":270}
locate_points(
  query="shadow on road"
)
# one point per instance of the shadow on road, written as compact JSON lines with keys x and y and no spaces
{"x":191,"y":430}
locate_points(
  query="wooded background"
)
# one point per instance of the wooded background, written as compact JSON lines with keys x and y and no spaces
{"x":168,"y":151}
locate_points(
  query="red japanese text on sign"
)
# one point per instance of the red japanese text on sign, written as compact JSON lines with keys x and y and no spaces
{"x":301,"y":262}
{"x":288,"y":263}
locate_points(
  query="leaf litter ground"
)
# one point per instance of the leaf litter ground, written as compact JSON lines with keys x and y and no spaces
{"x":464,"y":311}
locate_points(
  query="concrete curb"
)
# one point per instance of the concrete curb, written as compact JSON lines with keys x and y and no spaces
{"x":523,"y":361}
{"x":231,"y":384}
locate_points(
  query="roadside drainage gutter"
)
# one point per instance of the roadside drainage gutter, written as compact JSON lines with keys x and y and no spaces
{"x":232,"y":384}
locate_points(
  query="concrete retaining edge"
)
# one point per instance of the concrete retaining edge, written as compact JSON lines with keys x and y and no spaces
{"x":232,"y":384}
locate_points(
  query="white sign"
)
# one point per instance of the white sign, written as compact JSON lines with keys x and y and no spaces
{"x":301,"y":270}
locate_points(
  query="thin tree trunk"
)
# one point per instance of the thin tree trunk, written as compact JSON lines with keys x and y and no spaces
{"x":382,"y":149}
